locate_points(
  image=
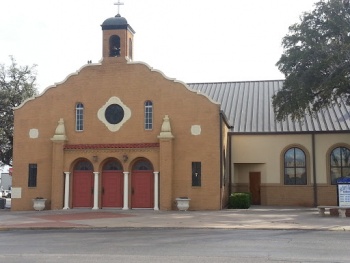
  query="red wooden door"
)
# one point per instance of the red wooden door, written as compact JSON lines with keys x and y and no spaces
{"x":82,"y":189}
{"x":254,"y":187}
{"x":112,"y":189}
{"x":142,"y":189}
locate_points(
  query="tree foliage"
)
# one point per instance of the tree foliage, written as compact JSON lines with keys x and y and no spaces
{"x":315,"y":61}
{"x":17,"y":83}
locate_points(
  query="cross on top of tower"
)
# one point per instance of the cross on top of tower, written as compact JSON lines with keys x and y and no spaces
{"x":118,"y":4}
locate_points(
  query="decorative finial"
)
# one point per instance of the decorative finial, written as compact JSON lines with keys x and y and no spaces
{"x":165,"y":131}
{"x":60,"y":132}
{"x":118,"y":4}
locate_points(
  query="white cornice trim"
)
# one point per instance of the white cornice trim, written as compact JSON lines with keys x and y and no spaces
{"x":173,"y":79}
{"x":128,"y":62}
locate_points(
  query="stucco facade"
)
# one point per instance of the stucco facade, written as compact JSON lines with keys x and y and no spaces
{"x":264,"y":154}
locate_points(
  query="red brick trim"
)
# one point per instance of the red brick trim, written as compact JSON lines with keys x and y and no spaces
{"x":111,"y":146}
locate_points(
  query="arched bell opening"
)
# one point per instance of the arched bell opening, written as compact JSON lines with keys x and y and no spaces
{"x":130,"y":49}
{"x":114,"y":46}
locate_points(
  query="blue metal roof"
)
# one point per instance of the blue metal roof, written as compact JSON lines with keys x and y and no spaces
{"x":248,"y":107}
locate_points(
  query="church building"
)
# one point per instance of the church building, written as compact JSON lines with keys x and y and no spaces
{"x":119,"y":134}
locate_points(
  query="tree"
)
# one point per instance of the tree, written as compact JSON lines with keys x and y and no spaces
{"x":17,"y":83}
{"x":315,"y":62}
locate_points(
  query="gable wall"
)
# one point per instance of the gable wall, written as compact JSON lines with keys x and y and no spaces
{"x":133,"y":84}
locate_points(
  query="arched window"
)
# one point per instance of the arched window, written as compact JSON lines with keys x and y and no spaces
{"x":148,"y":115}
{"x":83,"y":166}
{"x":79,"y":117}
{"x":130,"y":48}
{"x":112,"y":166}
{"x":339,"y":163}
{"x":143,"y":165}
{"x":295,"y":167}
{"x":114,"y":46}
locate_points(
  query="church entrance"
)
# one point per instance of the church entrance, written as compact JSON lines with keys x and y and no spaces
{"x":83,"y":185}
{"x":142,"y":185}
{"x":112,"y":184}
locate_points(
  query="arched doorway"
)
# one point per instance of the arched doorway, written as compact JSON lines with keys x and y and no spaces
{"x":112,"y":184}
{"x":83,"y":184}
{"x":142,"y":185}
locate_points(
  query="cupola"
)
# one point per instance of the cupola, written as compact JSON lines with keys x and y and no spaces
{"x":117,"y":37}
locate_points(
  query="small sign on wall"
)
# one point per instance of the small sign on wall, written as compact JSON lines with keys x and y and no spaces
{"x":343,"y":192}
{"x":16,"y":192}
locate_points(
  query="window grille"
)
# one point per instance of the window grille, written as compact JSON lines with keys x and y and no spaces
{"x":148,"y":115}
{"x":339,"y":163}
{"x":295,"y":167}
{"x":79,"y":117}
{"x":32,"y":174}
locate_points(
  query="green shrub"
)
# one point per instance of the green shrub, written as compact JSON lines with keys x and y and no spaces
{"x":239,"y":201}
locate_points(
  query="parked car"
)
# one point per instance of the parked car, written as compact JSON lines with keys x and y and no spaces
{"x":6,"y":193}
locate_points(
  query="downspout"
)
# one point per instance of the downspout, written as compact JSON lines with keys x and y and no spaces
{"x":223,"y":120}
{"x":230,"y":164}
{"x":314,"y":169}
{"x":220,"y":174}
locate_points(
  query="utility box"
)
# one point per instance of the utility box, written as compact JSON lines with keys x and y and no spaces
{"x":2,"y":203}
{"x":5,"y":181}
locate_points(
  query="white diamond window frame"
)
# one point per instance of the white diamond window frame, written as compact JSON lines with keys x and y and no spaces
{"x":101,"y":114}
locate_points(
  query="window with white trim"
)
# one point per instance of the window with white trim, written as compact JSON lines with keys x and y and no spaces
{"x":148,"y":115}
{"x":79,"y":117}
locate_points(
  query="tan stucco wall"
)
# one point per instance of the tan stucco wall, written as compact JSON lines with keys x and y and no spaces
{"x":242,"y":172}
{"x":265,"y":149}
{"x":264,"y":153}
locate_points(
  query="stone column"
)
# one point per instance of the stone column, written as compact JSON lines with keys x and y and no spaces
{"x":126,"y":191}
{"x":66,"y":190}
{"x":166,"y":160}
{"x":95,"y":191}
{"x":57,"y":165}
{"x":156,"y":190}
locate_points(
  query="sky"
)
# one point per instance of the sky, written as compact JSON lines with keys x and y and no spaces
{"x":190,"y":40}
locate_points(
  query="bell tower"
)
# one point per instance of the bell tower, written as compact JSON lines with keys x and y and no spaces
{"x":118,"y":37}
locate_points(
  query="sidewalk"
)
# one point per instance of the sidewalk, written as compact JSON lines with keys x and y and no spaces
{"x":256,"y":217}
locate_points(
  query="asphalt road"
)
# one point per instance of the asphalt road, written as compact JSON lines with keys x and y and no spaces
{"x":173,"y":245}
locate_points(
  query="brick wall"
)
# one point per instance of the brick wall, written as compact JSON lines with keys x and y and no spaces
{"x":133,"y":84}
{"x":280,"y":195}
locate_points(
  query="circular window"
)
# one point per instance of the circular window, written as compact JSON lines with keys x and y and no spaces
{"x":114,"y":114}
